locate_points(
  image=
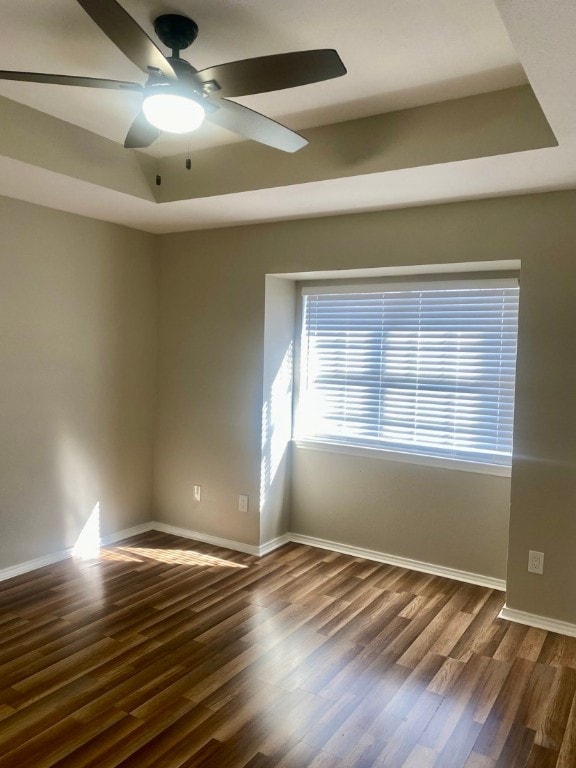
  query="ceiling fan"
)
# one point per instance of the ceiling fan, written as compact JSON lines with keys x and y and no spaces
{"x":177,"y":97}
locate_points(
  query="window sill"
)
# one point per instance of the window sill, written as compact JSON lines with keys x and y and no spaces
{"x":405,"y":458}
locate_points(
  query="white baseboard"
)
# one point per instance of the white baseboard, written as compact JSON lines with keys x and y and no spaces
{"x":540,"y":622}
{"x":346,"y":549}
{"x":264,"y":549}
{"x":113,"y":538}
{"x":207,"y":538}
{"x":238,"y":546}
{"x":270,"y":546}
{"x":32,"y":565}
{"x":56,"y":557}
{"x":403,"y":562}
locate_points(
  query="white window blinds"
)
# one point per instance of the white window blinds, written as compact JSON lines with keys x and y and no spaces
{"x":427,"y":371}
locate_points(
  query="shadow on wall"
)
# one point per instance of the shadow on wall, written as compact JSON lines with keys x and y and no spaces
{"x":276,"y":425}
{"x":278,"y":365}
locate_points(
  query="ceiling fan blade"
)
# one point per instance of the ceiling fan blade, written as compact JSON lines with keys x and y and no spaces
{"x":273,"y":73}
{"x":141,"y":133}
{"x":121,"y":28}
{"x":86,"y":82}
{"x":253,"y":125}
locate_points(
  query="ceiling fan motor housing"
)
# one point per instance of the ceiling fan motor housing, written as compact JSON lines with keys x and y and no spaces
{"x":175,"y":31}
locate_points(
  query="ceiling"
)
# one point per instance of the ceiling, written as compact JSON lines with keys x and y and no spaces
{"x":400,"y":55}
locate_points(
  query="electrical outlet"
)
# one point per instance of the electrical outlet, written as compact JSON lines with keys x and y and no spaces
{"x":535,"y":562}
{"x":242,"y":503}
{"x":197,"y":492}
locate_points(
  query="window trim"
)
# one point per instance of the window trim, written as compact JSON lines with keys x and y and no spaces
{"x":421,"y":459}
{"x":409,"y":285}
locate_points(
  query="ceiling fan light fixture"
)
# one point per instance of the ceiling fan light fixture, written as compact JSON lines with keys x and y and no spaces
{"x":172,"y":113}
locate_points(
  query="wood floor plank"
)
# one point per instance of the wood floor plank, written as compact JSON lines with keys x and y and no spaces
{"x":320,"y":669}
{"x":494,"y":678}
{"x":517,"y":747}
{"x":459,"y":744}
{"x":531,"y":646}
{"x":168,"y":653}
{"x":455,"y":708}
{"x":567,"y":754}
{"x":174,"y":745}
{"x":550,"y":733}
{"x":95,"y":741}
{"x":499,"y":722}
{"x":540,"y":757}
{"x":534,"y":707}
{"x":479,"y":761}
{"x":408,"y":733}
{"x":297,"y":756}
{"x":421,"y":757}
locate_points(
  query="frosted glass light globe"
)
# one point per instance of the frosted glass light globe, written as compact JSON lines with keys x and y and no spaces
{"x":172,"y":113}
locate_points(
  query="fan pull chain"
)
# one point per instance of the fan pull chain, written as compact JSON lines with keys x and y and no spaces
{"x":188,"y":160}
{"x":158,"y":177}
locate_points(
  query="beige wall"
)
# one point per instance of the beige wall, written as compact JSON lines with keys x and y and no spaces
{"x":210,"y":372}
{"x":77,"y":356}
{"x":211,"y":367}
{"x":77,"y":378}
{"x":447,"y":517}
{"x":484,"y":125}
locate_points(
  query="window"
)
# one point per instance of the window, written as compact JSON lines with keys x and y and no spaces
{"x":425,"y":369}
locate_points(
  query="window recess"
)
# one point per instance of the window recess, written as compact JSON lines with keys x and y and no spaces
{"x":422,"y":369}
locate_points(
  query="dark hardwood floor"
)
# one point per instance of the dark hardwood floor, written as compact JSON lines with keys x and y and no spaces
{"x":172,"y":654}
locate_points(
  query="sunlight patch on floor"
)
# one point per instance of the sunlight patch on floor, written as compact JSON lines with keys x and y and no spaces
{"x":170,"y":556}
